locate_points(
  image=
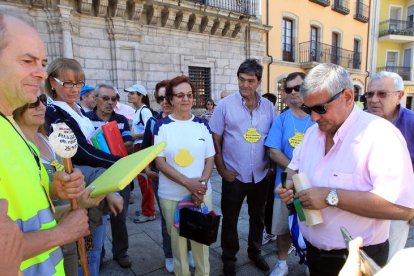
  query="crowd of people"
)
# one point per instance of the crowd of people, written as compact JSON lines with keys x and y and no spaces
{"x":359,"y":164}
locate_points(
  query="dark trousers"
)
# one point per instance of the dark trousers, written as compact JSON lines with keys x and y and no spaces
{"x":329,"y":263}
{"x":269,"y":203}
{"x":166,"y":239}
{"x":120,"y":242}
{"x":232,"y":198}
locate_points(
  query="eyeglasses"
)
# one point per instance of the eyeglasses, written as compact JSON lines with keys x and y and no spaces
{"x":380,"y":94}
{"x":160,"y":99}
{"x":107,"y":98}
{"x":41,"y":99}
{"x":320,"y":108}
{"x":69,"y":84}
{"x":289,"y":90}
{"x":182,"y":95}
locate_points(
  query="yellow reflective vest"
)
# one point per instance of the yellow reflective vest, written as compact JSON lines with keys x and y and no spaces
{"x":20,"y":184}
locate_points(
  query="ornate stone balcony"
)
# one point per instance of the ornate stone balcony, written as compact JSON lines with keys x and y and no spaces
{"x":216,"y":17}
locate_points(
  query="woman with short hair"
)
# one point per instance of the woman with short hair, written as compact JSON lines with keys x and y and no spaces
{"x":185,"y":168}
{"x":64,"y":83}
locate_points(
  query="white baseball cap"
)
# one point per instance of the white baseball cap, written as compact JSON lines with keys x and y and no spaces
{"x":137,"y":88}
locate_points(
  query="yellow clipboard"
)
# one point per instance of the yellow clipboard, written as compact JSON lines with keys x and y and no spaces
{"x":120,"y":174}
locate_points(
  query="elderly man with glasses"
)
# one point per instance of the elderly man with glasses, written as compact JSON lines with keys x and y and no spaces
{"x":385,"y":90}
{"x":359,"y":170}
{"x":103,"y":113}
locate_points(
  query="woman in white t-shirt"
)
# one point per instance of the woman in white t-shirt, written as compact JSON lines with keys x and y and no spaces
{"x":138,"y":96}
{"x":185,"y":167}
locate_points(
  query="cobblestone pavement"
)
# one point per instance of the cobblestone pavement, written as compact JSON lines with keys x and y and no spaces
{"x":145,"y":245}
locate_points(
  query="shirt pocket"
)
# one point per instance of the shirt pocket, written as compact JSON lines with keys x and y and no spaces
{"x":341,"y":180}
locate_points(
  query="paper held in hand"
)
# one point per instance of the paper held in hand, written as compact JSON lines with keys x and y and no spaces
{"x":301,"y":182}
{"x":120,"y":174}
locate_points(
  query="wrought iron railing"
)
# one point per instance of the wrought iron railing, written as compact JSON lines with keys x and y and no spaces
{"x":312,"y":51}
{"x":361,"y":11}
{"x":397,"y":27}
{"x":341,"y":6}
{"x":324,"y":3}
{"x":246,"y":7}
{"x":403,"y":71}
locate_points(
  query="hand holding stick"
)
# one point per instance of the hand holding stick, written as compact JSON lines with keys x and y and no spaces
{"x":64,"y":143}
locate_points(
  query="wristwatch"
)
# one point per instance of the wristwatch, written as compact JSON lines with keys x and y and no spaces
{"x":332,"y":198}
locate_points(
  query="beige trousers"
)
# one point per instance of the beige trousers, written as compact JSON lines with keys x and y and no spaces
{"x":179,"y":244}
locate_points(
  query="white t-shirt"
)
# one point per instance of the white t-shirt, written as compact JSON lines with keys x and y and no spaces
{"x":137,"y":126}
{"x":189,"y":143}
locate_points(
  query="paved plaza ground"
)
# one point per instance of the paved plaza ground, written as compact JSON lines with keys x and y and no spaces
{"x":145,"y":245}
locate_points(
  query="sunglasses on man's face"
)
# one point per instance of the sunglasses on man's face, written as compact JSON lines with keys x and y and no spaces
{"x":320,"y":108}
{"x":41,"y":99}
{"x":107,"y":98}
{"x":289,"y":90}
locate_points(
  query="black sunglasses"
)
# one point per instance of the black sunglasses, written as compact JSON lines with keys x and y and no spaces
{"x":41,"y":99}
{"x":289,"y":90}
{"x":107,"y":98}
{"x":160,"y":99}
{"x":320,"y":108}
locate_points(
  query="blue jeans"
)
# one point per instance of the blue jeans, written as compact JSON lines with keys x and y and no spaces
{"x":166,"y":240}
{"x":94,"y":255}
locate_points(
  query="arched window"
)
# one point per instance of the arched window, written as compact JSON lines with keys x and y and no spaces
{"x":357,"y":93}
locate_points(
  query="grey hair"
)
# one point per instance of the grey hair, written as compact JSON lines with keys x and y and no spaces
{"x":103,"y":85}
{"x":8,"y":11}
{"x":326,"y":76}
{"x":398,"y":81}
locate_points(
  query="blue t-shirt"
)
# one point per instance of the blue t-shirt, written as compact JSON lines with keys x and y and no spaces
{"x":405,"y":123}
{"x":283,"y":128}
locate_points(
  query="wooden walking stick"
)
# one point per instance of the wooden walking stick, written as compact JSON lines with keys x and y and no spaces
{"x":64,"y":143}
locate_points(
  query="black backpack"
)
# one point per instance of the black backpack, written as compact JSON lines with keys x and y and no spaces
{"x":153,"y":112}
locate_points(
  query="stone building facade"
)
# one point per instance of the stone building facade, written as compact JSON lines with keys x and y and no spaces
{"x":123,"y":42}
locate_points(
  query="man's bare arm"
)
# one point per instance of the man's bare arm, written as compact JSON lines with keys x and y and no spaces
{"x":365,"y":204}
{"x":279,"y":158}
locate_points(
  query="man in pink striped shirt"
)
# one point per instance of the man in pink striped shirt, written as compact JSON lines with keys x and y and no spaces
{"x":359,"y":169}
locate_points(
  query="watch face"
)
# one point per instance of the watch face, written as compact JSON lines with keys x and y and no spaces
{"x":332,"y":198}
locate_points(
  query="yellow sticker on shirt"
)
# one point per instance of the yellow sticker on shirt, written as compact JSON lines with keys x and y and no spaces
{"x":296,"y":139}
{"x":252,"y":135}
{"x":184,"y":158}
